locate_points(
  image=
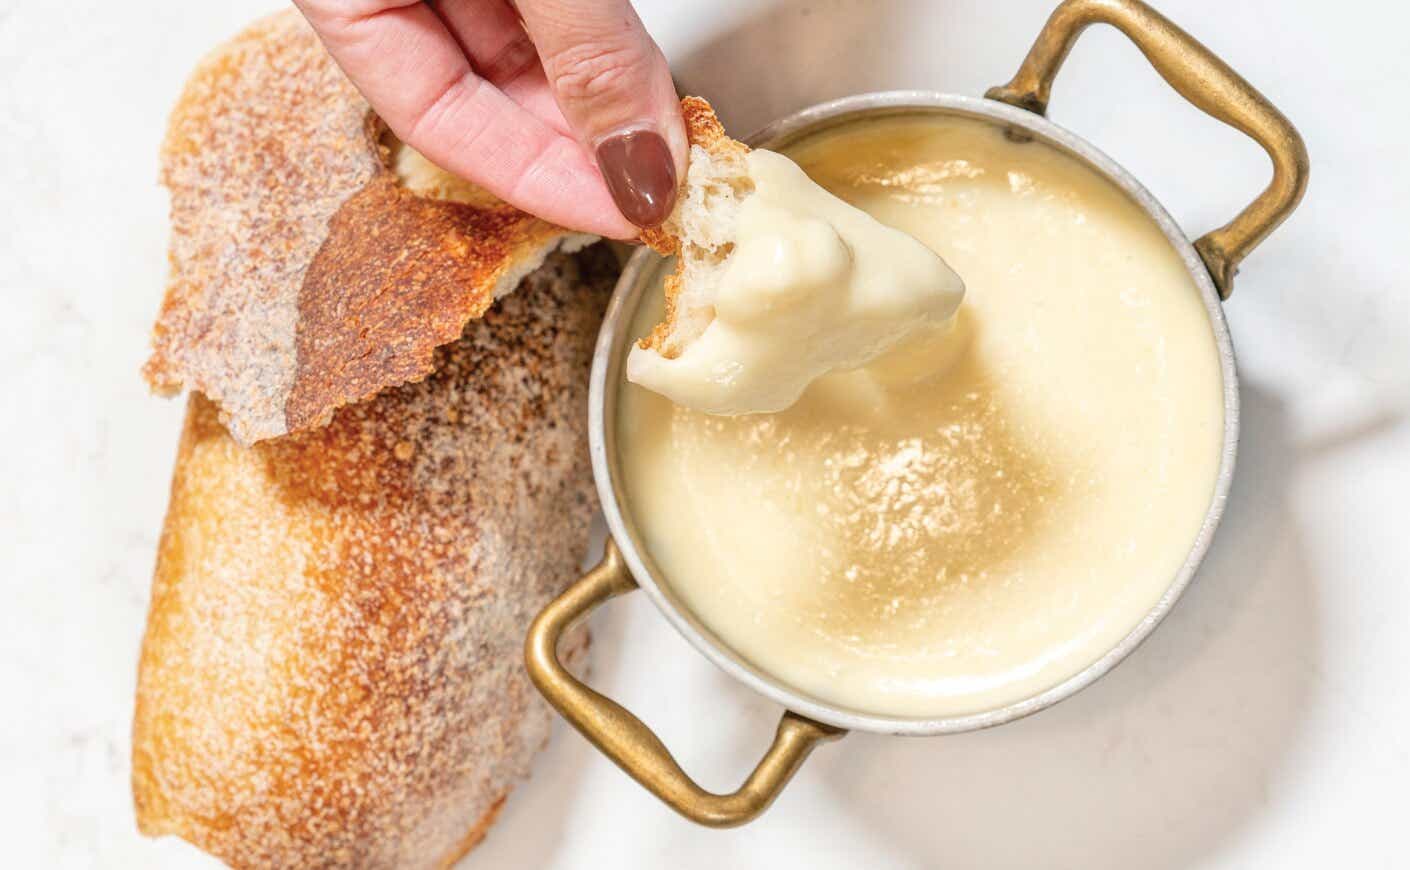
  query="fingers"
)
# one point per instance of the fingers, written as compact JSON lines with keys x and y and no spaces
{"x":490,"y":33}
{"x":615,"y":90}
{"x":409,"y":66}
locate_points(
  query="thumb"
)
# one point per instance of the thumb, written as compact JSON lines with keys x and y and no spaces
{"x":614,"y":88}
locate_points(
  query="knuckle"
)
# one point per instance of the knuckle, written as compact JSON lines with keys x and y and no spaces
{"x":590,"y":72}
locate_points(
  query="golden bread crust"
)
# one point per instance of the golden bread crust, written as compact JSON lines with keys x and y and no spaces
{"x":703,"y":129}
{"x":331,"y":673}
{"x":302,"y":276}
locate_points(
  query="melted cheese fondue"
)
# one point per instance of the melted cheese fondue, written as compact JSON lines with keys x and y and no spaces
{"x":814,"y":285}
{"x":908,"y":543}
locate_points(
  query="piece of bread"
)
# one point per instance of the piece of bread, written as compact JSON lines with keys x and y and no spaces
{"x":332,"y":669}
{"x":701,"y":229}
{"x":304,"y":276}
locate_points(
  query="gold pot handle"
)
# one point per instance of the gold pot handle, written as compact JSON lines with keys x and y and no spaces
{"x":1203,"y":79}
{"x":627,"y":741}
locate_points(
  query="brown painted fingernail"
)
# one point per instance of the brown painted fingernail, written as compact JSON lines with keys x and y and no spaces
{"x":640,"y":175}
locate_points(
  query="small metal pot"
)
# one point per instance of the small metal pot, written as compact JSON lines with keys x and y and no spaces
{"x":1017,"y":107}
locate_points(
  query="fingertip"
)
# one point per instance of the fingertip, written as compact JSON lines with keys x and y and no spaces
{"x":673,"y":123}
{"x":612,"y":225}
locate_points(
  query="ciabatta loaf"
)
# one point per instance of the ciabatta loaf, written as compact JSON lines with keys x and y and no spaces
{"x":332,"y":673}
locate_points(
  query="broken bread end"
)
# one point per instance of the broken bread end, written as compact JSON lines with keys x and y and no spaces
{"x":701,"y":228}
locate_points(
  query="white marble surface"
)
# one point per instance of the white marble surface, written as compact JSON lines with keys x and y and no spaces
{"x":1264,"y":725}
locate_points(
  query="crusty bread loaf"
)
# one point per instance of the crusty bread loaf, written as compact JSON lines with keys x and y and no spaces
{"x":304,"y":276}
{"x":332,"y":671}
{"x":701,"y":229}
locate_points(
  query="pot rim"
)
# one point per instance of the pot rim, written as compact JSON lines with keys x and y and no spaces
{"x":609,"y":355}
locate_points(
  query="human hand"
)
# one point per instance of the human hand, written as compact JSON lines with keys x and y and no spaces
{"x":563,"y":108}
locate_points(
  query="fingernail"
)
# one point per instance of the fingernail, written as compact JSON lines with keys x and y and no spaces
{"x":640,"y":175}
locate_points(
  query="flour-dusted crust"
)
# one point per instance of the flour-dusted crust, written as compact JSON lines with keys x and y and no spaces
{"x":703,"y":131}
{"x":303,"y":277}
{"x":332,"y":670}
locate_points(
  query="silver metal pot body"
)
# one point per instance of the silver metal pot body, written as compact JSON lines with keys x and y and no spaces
{"x":641,"y":277}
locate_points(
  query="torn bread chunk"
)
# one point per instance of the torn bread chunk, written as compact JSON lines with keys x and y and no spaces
{"x":306,"y":274}
{"x":777,"y":282}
